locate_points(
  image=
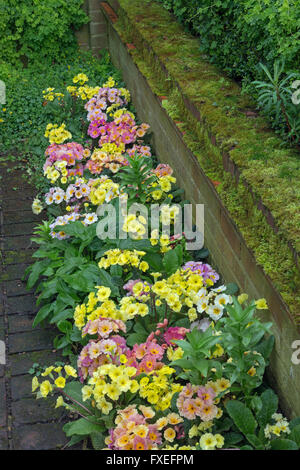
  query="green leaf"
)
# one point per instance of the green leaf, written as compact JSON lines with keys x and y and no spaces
{"x":82,"y":427}
{"x":242,"y":416}
{"x":62,"y":315}
{"x":266,"y":346}
{"x":294,"y":423}
{"x":74,"y":440}
{"x":269,"y":407}
{"x":231,"y":288}
{"x":171,"y":261}
{"x":42,"y":314}
{"x":97,"y":440}
{"x":183,"y":363}
{"x":254,"y":441}
{"x":64,"y":326}
{"x":295,"y":434}
{"x":233,"y":438}
{"x":36,"y":271}
{"x":283,"y":444}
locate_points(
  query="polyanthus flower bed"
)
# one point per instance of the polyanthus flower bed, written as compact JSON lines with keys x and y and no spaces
{"x":159,"y":353}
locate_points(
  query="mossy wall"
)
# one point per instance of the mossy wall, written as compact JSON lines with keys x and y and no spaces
{"x":259,"y":179}
{"x":240,"y":231}
{"x":93,"y":35}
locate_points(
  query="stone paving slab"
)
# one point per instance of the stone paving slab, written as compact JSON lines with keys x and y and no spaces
{"x":15,"y":217}
{"x":25,"y":423}
{"x":3,"y":440}
{"x":20,"y":363}
{"x":20,"y":387}
{"x":2,"y":403}
{"x":17,"y":243}
{"x":13,"y":272}
{"x":39,"y":437}
{"x":12,"y":230}
{"x":20,"y":323}
{"x":16,"y":287}
{"x":35,"y":340}
{"x":17,"y":257}
{"x":18,"y":205}
{"x":30,"y":410}
{"x":22,"y":304}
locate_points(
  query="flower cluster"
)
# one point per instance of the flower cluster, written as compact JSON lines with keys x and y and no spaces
{"x":280,"y":426}
{"x":164,"y":350}
{"x":134,"y":432}
{"x":108,"y":383}
{"x":49,"y":94}
{"x":124,"y":258}
{"x":57,"y":134}
{"x":107,"y":98}
{"x":197,"y":401}
{"x":158,"y":387}
{"x":99,"y":305}
{"x":64,"y":160}
{"x":58,"y":380}
{"x":107,"y":348}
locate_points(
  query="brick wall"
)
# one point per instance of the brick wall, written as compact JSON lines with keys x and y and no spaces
{"x":228,"y":248}
{"x":93,"y":36}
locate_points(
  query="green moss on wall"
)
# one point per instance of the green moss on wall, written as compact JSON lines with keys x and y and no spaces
{"x":175,"y":68}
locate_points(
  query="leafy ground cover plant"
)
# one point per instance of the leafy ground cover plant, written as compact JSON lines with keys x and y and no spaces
{"x":163,"y":356}
{"x":239,"y":37}
{"x":31,"y":104}
{"x":39,"y":30}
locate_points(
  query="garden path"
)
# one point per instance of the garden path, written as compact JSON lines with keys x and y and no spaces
{"x":25,"y":423}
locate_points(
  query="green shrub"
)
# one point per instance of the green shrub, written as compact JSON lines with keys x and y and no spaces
{"x":245,"y":38}
{"x":23,"y":118}
{"x":32,"y":30}
{"x":238,"y":34}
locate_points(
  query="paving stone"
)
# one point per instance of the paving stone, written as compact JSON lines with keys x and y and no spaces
{"x":11,"y":230}
{"x":16,"y":193}
{"x":16,"y":287}
{"x":35,"y":340}
{"x":13,"y":272}
{"x":17,"y":257}
{"x":3,"y":440}
{"x":20,"y":242}
{"x":15,"y":180}
{"x":22,"y":362}
{"x":2,"y":333}
{"x":30,"y":410}
{"x":39,"y":437}
{"x":21,"y":387}
{"x":21,"y":304}
{"x":21,"y":323}
{"x":14,"y":204}
{"x":14,"y":217}
{"x":2,"y":403}
{"x":2,"y":338}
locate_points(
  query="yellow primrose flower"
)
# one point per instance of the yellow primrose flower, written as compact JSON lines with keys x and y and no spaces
{"x":261,"y":304}
{"x":47,"y":371}
{"x":169,"y":434}
{"x":45,"y":388}
{"x":208,"y":441}
{"x":242,"y":298}
{"x":123,"y":359}
{"x":251,"y":371}
{"x":59,"y":402}
{"x":60,"y":382}
{"x":70,"y":371}
{"x":35,"y":384}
